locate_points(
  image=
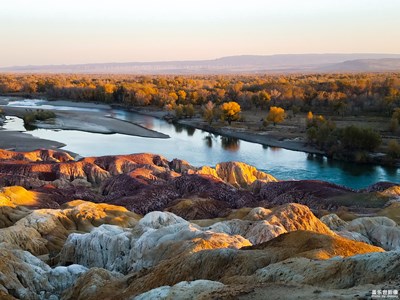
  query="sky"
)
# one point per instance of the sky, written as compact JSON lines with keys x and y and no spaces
{"x":43,"y":32}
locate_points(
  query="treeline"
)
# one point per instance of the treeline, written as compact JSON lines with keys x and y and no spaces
{"x":328,"y":94}
{"x":351,"y":142}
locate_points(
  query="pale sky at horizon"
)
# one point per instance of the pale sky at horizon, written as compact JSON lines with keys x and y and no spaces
{"x":88,"y":31}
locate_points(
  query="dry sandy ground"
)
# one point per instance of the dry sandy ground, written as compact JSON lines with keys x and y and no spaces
{"x":89,"y":121}
{"x":18,"y":141}
{"x":96,"y":122}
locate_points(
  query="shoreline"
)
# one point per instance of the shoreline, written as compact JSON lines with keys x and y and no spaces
{"x":269,"y":138}
{"x":25,"y":142}
{"x":263,"y":139}
{"x":88,"y":121}
{"x":98,"y":122}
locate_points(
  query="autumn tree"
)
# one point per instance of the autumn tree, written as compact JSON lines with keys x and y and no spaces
{"x":261,"y":99}
{"x":178,"y":111}
{"x":275,"y":94}
{"x":276,"y":115}
{"x":208,"y":112}
{"x":230,"y":111}
{"x":309,"y":119}
{"x":188,"y":110}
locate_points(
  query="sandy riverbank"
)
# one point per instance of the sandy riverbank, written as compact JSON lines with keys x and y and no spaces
{"x":97,"y":122}
{"x":19,"y":141}
{"x":83,"y":118}
{"x":88,"y":121}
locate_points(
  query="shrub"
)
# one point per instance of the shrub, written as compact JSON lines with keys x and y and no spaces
{"x":41,"y":115}
{"x":394,"y":149}
{"x":364,"y":139}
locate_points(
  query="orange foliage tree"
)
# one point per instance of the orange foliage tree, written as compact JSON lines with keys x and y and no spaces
{"x":276,"y":115}
{"x":230,"y":111}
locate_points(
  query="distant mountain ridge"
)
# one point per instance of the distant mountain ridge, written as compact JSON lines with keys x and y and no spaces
{"x":280,"y":63}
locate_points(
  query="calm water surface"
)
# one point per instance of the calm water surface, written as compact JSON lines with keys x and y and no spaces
{"x":201,"y":148}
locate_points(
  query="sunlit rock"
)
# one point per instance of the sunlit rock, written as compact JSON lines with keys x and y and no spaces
{"x":238,"y":174}
{"x":44,"y":231}
{"x":158,"y":236}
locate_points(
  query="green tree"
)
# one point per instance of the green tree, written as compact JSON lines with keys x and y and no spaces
{"x":394,"y":149}
{"x":354,"y":138}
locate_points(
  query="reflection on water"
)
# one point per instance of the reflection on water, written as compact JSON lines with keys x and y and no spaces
{"x":178,"y":128}
{"x":208,"y":140}
{"x":275,"y":149}
{"x":190,"y":131}
{"x":202,"y":148}
{"x":230,"y":143}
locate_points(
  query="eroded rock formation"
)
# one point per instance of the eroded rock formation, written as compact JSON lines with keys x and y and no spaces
{"x":141,"y":227}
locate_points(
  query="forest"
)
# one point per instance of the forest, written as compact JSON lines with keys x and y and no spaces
{"x":341,"y":94}
{"x":325,"y":101}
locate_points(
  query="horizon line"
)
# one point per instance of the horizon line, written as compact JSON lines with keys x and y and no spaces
{"x":198,"y":60}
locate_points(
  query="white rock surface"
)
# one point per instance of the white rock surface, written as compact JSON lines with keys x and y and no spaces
{"x":185,"y":290}
{"x":158,"y":236}
{"x":158,"y":219}
{"x":381,"y":231}
{"x":106,"y":246}
{"x":24,"y":276}
{"x":255,"y":231}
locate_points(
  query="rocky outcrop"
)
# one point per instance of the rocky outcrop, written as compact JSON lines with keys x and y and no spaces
{"x":14,"y":196}
{"x":334,"y":273}
{"x":232,"y":267}
{"x":44,"y":231}
{"x":198,"y":208}
{"x":41,"y":155}
{"x":91,"y":286}
{"x":238,"y":174}
{"x":147,"y":182}
{"x":334,"y":222}
{"x":185,"y":290}
{"x":314,"y":246}
{"x":158,"y":236}
{"x":312,"y":193}
{"x":161,"y":250}
{"x":24,"y":276}
{"x":262,"y":225}
{"x":224,"y":232}
{"x":379,"y":231}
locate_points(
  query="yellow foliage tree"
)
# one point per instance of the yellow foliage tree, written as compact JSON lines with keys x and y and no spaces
{"x":230,"y":111}
{"x":276,"y":115}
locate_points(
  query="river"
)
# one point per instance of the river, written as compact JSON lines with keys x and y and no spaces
{"x":202,"y":148}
